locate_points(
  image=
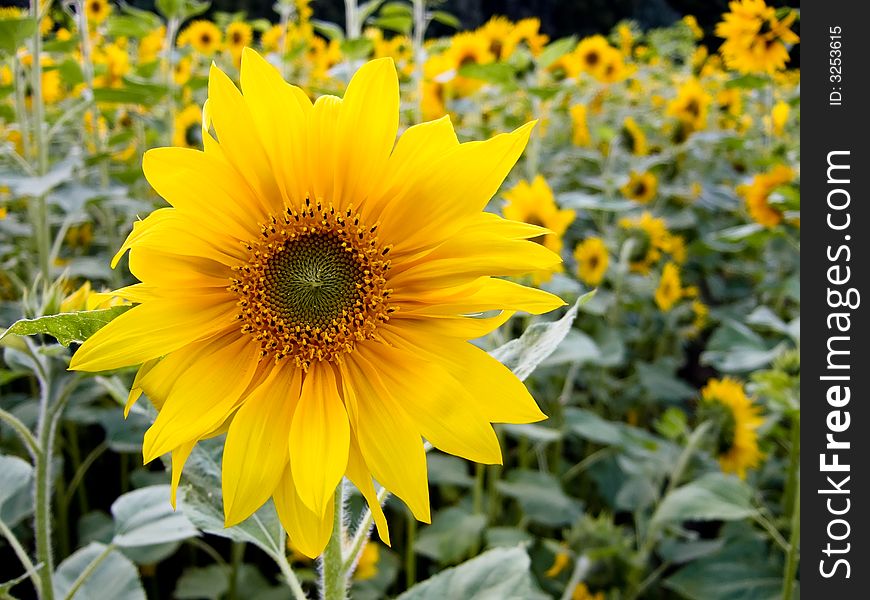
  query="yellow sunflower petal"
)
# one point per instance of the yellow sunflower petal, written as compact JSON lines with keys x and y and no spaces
{"x":359,"y":474}
{"x":372,"y":97}
{"x":309,"y":532}
{"x":154,"y":329}
{"x":179,"y":457}
{"x":389,"y":440}
{"x":256,"y":449}
{"x":203,"y":396}
{"x":319,"y":438}
{"x":322,"y":128}
{"x":136,"y":388}
{"x":280,"y":121}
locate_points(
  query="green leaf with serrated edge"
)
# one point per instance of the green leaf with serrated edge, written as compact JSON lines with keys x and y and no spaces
{"x":501,"y":573}
{"x":525,"y":353}
{"x":114,"y":578}
{"x":143,"y":517}
{"x":712,"y":497}
{"x":67,"y":328}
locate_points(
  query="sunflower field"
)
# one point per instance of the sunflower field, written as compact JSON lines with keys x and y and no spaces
{"x":297,"y":309}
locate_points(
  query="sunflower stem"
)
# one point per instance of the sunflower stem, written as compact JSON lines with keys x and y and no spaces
{"x":334,"y":581}
{"x":40,"y":207}
{"x":419,"y":56}
{"x":792,"y":556}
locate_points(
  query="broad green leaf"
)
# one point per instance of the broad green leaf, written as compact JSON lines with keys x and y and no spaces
{"x":133,"y":92}
{"x":357,"y":49}
{"x":115,"y":578}
{"x":16,"y":484}
{"x":445,"y":469}
{"x":329,"y":29}
{"x":14,"y":32}
{"x":144,"y":517}
{"x":495,"y":73}
{"x":592,"y":427}
{"x":584,"y":201}
{"x":203,"y":583}
{"x":748,"y":82}
{"x":451,"y":536}
{"x":577,"y":347}
{"x":445,"y":18}
{"x":499,"y":574}
{"x":661,"y":384}
{"x":199,"y":497}
{"x":397,"y":23}
{"x":525,"y":353}
{"x":67,"y":327}
{"x":541,"y":497}
{"x":556,"y":50}
{"x":507,"y":537}
{"x":712,"y":497}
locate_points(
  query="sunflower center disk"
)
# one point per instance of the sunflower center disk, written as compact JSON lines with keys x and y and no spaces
{"x":314,"y":285}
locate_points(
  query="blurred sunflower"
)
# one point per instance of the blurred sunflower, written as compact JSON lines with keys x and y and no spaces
{"x":187,"y":129}
{"x":97,"y":11}
{"x":592,"y":260}
{"x":592,"y":53}
{"x":779,"y":117}
{"x":691,"y":105}
{"x":238,"y":35}
{"x":497,"y":31}
{"x":640,"y":187}
{"x":635,"y":137}
{"x":670,"y":289}
{"x":204,"y":36}
{"x":757,"y":195}
{"x":755,"y":39}
{"x":649,"y":235}
{"x":737,"y":421}
{"x":301,"y":295}
{"x":526,"y":32}
{"x":581,"y":592}
{"x":151,"y":45}
{"x":691,"y":22}
{"x":367,"y":566}
{"x":534,"y":204}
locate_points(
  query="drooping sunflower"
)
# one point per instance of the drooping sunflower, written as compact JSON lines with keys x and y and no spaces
{"x":757,"y":195}
{"x":592,"y":260}
{"x":311,"y":290}
{"x":204,"y":36}
{"x":737,"y":420}
{"x":640,"y":187}
{"x":670,"y":289}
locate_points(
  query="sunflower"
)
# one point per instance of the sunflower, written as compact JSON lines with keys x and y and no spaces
{"x":367,"y":567}
{"x":204,"y":36}
{"x":238,"y":35}
{"x":301,"y":294}
{"x":151,"y":45}
{"x":526,"y":31}
{"x":580,"y":127}
{"x":187,"y":130}
{"x":737,"y":420}
{"x":757,"y":195}
{"x":635,"y":137}
{"x":690,"y":105}
{"x":592,"y":260}
{"x":649,"y":236}
{"x":534,"y":204}
{"x":641,"y":187}
{"x":497,"y":31}
{"x":112,"y":63}
{"x":779,"y":117}
{"x":670,"y":290}
{"x":592,"y":53}
{"x":755,"y":39}
{"x":97,"y":11}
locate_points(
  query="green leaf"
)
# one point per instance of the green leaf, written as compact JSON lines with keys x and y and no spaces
{"x":199,"y":497}
{"x":541,"y":497}
{"x":577,"y":347}
{"x":16,"y":484}
{"x":502,"y":574}
{"x":14,"y":32}
{"x":133,"y":92}
{"x":748,"y":82}
{"x":495,"y":73}
{"x":556,"y":50}
{"x":585,"y":201}
{"x":590,"y":426}
{"x":203,"y":583}
{"x":445,"y":18}
{"x":661,"y":385}
{"x":115,"y":578}
{"x":448,"y":470}
{"x":367,"y":9}
{"x":735,"y":348}
{"x":452,"y":535}
{"x":525,"y":353}
{"x":713,"y":497}
{"x":357,"y":49}
{"x":67,"y":327}
{"x":398,"y":23}
{"x":144,"y":517}
{"x":329,"y":29}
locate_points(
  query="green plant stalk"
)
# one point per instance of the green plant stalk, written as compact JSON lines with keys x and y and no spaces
{"x":361,"y":536}
{"x":172,"y":26}
{"x":351,"y":15}
{"x":581,"y":567}
{"x":792,"y":556}
{"x":334,"y":583}
{"x":791,"y":481}
{"x":237,"y":554}
{"x":23,"y":432}
{"x":87,"y":64}
{"x":42,"y":493}
{"x":40,"y":211}
{"x":22,"y":556}
{"x":410,"y":559}
{"x":20,"y":106}
{"x":420,"y":25}
{"x":290,"y":577}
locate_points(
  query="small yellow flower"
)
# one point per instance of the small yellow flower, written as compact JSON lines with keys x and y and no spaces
{"x":592,"y":260}
{"x":561,"y":561}
{"x":779,"y":117}
{"x":690,"y":105}
{"x":187,"y":130}
{"x":737,"y":443}
{"x":367,"y":567}
{"x":670,"y":289}
{"x":581,"y":592}
{"x":649,"y":236}
{"x":151,"y":45}
{"x":641,"y":187}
